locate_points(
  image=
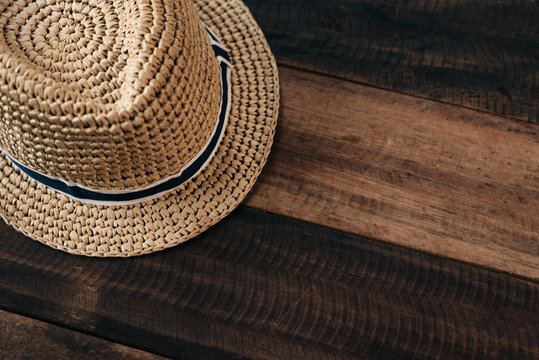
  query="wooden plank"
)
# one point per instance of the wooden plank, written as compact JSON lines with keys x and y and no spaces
{"x":263,"y":286}
{"x":25,"y":338}
{"x":430,"y":176}
{"x":479,"y":54}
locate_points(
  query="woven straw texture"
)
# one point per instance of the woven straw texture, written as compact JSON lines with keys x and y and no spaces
{"x":123,"y":82}
{"x":145,"y":97}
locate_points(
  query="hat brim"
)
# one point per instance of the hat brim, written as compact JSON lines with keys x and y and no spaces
{"x":129,"y":230}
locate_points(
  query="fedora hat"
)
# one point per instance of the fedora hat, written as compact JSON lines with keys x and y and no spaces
{"x":130,"y":126}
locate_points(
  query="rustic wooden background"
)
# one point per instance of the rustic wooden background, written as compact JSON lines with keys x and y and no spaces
{"x":397,"y":217}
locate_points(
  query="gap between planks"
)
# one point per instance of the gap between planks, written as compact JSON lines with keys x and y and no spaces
{"x":430,"y":176}
{"x":27,"y":338}
{"x":259,"y":285}
{"x":481,"y":55}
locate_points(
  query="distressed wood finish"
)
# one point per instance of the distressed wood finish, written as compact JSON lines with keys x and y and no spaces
{"x":25,"y":338}
{"x":418,"y":173}
{"x":400,"y":136}
{"x":264,"y":286}
{"x":480,"y":54}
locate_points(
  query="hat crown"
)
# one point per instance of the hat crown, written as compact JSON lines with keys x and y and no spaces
{"x":109,"y":95}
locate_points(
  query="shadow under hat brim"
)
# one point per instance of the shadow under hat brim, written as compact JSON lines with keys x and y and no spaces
{"x":129,"y":230}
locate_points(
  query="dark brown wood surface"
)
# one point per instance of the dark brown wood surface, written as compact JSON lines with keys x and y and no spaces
{"x":264,"y":286}
{"x":409,"y":129}
{"x":422,"y":174}
{"x":479,"y":54}
{"x":26,"y":338}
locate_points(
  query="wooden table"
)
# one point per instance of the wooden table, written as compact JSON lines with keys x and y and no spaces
{"x":398,"y":216}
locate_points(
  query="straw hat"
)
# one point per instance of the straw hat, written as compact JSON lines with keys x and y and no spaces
{"x":130,"y":126}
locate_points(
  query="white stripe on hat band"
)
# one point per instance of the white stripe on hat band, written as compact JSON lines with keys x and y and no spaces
{"x":187,"y":172}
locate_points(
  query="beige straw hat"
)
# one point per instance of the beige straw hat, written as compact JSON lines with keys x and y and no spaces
{"x":130,"y":126}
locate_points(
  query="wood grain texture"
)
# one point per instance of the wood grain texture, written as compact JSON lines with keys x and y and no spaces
{"x":478,"y":54}
{"x":25,"y":338}
{"x":263,"y":286}
{"x":429,"y":176}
